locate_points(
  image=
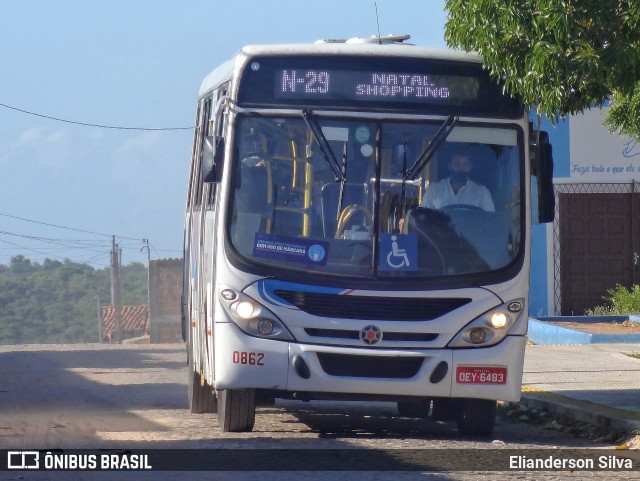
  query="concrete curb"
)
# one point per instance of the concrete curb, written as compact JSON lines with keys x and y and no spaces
{"x":592,"y":413}
{"x":543,"y":332}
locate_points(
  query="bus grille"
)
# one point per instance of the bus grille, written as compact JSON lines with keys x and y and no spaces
{"x":371,"y":307}
{"x":369,"y":366}
{"x":388,"y":336}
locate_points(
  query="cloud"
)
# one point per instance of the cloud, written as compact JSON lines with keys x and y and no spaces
{"x":40,"y":147}
{"x":29,"y":136}
{"x":57,"y":137}
{"x":138,"y":153}
{"x":152,"y":156}
{"x":37,"y":135}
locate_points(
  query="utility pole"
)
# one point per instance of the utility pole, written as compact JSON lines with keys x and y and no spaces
{"x":99,"y":318}
{"x":146,"y":246}
{"x":115,"y":290}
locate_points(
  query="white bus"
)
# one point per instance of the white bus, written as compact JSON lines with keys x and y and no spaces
{"x":357,"y":228}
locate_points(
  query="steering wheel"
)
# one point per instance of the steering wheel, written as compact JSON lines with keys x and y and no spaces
{"x":430,"y":221}
{"x":462,"y":207}
{"x":346,"y":215}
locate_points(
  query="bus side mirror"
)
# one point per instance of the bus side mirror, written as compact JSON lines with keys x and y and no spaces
{"x":212,"y":159}
{"x":542,"y":170}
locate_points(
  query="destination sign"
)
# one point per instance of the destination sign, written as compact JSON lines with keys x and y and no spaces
{"x":375,"y":83}
{"x":368,"y":85}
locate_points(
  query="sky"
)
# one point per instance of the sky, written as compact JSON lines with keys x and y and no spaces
{"x":67,"y":188}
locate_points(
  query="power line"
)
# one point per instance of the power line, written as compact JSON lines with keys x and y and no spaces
{"x":77,"y":244}
{"x":89,"y":245}
{"x":157,"y":251}
{"x":29,"y":249}
{"x":90,"y":259}
{"x":64,"y":244}
{"x":47,"y":251}
{"x":66,"y":228}
{"x":86,"y":124}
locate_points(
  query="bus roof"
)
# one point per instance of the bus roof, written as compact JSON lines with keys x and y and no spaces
{"x":225,"y":71}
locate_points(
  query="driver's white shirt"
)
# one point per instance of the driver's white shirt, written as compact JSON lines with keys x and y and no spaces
{"x":440,"y":194}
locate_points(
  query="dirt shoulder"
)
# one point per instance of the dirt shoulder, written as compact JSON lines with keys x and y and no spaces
{"x":611,"y":327}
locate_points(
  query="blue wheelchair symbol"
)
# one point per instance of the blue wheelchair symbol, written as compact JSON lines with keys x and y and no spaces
{"x":398,"y":252}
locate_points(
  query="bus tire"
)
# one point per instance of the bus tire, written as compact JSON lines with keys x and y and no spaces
{"x":236,"y":410}
{"x":202,"y":398}
{"x":477,"y":417}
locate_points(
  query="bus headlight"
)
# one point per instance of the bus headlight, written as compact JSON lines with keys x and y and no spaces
{"x":252,"y":317}
{"x":489,"y":328}
{"x":498,"y":320}
{"x":244,"y":309}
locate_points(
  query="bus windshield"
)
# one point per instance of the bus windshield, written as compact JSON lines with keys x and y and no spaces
{"x":334,"y":196}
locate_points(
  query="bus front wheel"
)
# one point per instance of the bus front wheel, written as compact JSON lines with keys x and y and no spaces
{"x":236,"y":410}
{"x":477,"y":417}
{"x":202,"y":398}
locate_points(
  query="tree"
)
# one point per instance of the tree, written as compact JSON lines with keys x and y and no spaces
{"x":56,"y":301}
{"x":561,"y":56}
{"x":21,"y":265}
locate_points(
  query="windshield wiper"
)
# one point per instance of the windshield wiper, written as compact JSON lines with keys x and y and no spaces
{"x":324,"y":146}
{"x":441,"y":135}
{"x":398,"y":212}
{"x":343,"y":181}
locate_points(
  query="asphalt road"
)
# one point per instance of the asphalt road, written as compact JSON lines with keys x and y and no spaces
{"x":134,"y":397}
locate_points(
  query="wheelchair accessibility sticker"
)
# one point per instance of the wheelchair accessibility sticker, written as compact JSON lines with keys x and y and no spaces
{"x":398,"y":252}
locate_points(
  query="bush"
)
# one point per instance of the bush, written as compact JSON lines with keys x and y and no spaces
{"x":619,"y":301}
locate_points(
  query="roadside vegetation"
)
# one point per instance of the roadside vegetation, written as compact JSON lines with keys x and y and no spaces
{"x":57,"y":302}
{"x":561,"y":57}
{"x":619,"y":301}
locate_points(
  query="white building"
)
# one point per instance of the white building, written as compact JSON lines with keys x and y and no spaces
{"x":594,"y":242}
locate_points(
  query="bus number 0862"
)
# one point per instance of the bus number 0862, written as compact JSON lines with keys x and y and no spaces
{"x":249,"y":358}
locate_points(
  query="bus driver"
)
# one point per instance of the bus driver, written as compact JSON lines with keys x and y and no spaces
{"x":458,"y":188}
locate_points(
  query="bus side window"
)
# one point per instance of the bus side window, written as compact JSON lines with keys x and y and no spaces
{"x":194,"y":157}
{"x":212,"y":134}
{"x":205,"y":115}
{"x":213,"y":142}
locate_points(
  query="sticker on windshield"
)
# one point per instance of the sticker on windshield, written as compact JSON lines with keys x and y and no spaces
{"x":366,"y":150}
{"x":398,"y":252}
{"x":362,"y":134}
{"x":290,"y":249}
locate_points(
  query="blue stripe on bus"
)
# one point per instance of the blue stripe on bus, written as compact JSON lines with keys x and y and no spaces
{"x":267,"y":288}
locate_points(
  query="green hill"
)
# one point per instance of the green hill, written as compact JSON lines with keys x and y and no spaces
{"x":56,"y":302}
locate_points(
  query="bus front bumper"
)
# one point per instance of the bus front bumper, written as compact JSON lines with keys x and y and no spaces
{"x":245,"y":362}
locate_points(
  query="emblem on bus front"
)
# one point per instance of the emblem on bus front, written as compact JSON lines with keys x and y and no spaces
{"x":371,"y":335}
